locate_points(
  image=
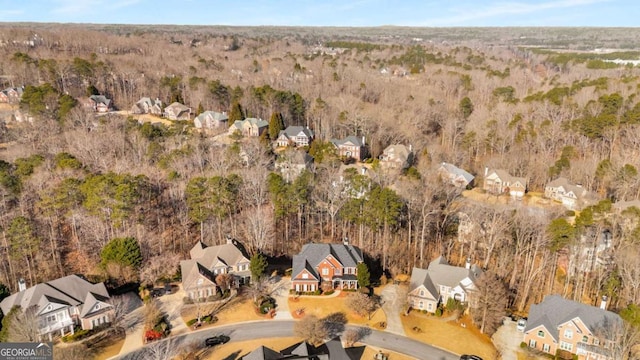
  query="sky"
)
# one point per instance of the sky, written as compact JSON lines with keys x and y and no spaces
{"x":425,"y":13}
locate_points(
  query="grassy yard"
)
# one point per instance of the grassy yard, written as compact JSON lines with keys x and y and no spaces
{"x":449,"y":335}
{"x":321,"y":306}
{"x":110,"y":350}
{"x":237,"y":310}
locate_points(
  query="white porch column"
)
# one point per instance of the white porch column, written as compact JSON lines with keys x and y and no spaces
{"x":50,"y":339}
{"x":62,"y":331}
{"x":71,"y":327}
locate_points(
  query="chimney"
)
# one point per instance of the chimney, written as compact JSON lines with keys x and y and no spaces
{"x":467,"y":265}
{"x":22,"y":285}
{"x":410,"y":148}
{"x":603,"y":303}
{"x":345,"y":241}
{"x":363,"y":143}
{"x":486,"y":171}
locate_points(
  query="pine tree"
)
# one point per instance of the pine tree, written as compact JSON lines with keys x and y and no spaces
{"x":236,"y":113}
{"x":276,"y":124}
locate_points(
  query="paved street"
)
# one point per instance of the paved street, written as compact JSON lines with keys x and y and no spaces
{"x":284,"y":328}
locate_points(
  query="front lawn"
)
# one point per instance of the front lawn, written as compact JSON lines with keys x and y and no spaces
{"x":236,"y":310}
{"x":450,"y":335}
{"x":321,"y":306}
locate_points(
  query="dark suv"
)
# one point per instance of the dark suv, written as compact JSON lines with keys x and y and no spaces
{"x":216,"y":340}
{"x":470,"y":357}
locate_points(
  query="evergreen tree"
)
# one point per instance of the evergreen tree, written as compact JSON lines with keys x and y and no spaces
{"x":200,"y":109}
{"x":236,"y":113}
{"x":276,"y":124}
{"x":466,"y":107}
{"x":122,"y":251}
{"x":363,"y":276}
{"x":258,"y":266}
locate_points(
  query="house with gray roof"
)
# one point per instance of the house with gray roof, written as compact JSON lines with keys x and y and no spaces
{"x":249,"y":127}
{"x":295,"y":136}
{"x":500,"y":182}
{"x":571,"y":196}
{"x":147,"y":106}
{"x":207,"y":262}
{"x":326,"y":266}
{"x":440,"y":282}
{"x":455,"y":175}
{"x":397,"y":156}
{"x":210,"y":120}
{"x":351,"y":147}
{"x":60,"y":305}
{"x":331,"y":350}
{"x":177,"y":111}
{"x":11,"y":95}
{"x":580,"y":329}
{"x":291,"y":163}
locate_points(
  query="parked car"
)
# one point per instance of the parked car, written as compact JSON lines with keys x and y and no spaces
{"x":157,"y":292}
{"x":216,"y":340}
{"x":522,"y":323}
{"x":470,"y":357}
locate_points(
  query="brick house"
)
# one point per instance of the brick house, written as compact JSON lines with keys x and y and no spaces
{"x":295,"y":136}
{"x":326,"y":266}
{"x":560,"y":324}
{"x":350,"y":147}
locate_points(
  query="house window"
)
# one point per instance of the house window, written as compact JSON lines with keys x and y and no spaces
{"x":421,"y":292}
{"x":568,"y":334}
{"x":429,"y":306}
{"x":421,"y":305}
{"x":596,"y":341}
{"x":566,"y":346}
{"x":585,"y":339}
{"x":532,"y":343}
{"x":541,"y":333}
{"x":338,"y":271}
{"x":325,"y":271}
{"x":199,"y":282}
{"x":546,"y":348}
{"x":305,"y":276}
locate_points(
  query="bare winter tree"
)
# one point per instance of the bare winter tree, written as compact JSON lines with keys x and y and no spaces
{"x":489,"y":302}
{"x":362,"y":304}
{"x":311,"y":329}
{"x":158,"y":267}
{"x":122,"y":306}
{"x":23,"y":326}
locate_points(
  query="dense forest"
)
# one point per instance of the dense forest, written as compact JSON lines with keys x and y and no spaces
{"x":71,"y":181}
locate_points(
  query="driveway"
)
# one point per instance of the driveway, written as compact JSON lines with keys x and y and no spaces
{"x":171,"y":305}
{"x":281,"y":295}
{"x":507,"y":340}
{"x":133,"y":323}
{"x":393,"y":301}
{"x":274,"y":329}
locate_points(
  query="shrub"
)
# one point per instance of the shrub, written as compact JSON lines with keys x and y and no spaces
{"x":329,"y":292}
{"x":187,"y":300}
{"x":438,"y":312}
{"x":77,"y":335}
{"x":151,"y":335}
{"x":523,"y":345}
{"x":191,"y":322}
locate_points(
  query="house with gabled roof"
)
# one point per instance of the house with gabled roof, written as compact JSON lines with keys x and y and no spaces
{"x":207,"y":262}
{"x":397,"y":156}
{"x":326,"y":266}
{"x":61,"y":304}
{"x":295,"y":136}
{"x":331,"y":350}
{"x":291,"y":163}
{"x":177,"y":111}
{"x":500,"y":182}
{"x":249,"y":127}
{"x":572,"y":196}
{"x":455,"y":175}
{"x":97,"y":103}
{"x":11,"y":95}
{"x":351,"y":147}
{"x":147,"y":106}
{"x":211,"y":120}
{"x":580,"y":329}
{"x":440,"y":282}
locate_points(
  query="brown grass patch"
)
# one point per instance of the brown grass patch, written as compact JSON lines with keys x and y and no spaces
{"x":237,"y":310}
{"x":322,"y":306}
{"x":108,"y":347}
{"x":449,"y":335}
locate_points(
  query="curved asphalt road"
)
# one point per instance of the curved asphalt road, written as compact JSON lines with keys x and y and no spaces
{"x":284,"y":328}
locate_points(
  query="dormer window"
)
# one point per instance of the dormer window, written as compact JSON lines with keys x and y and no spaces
{"x":49,"y":307}
{"x":97,"y":307}
{"x":199,"y":282}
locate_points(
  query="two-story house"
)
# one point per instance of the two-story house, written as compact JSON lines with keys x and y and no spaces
{"x":291,"y":163}
{"x":584,"y":330}
{"x":326,"y":266}
{"x":351,"y":147}
{"x":207,"y":262}
{"x":397,"y":156}
{"x":11,"y":95}
{"x":500,"y":182}
{"x":249,"y":127}
{"x":295,"y":136}
{"x":441,"y":282}
{"x":97,"y":103}
{"x":61,"y":304}
{"x":573,"y":197}
{"x":177,"y":111}
{"x":210,"y":120}
{"x":455,"y":175}
{"x":147,"y":106}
